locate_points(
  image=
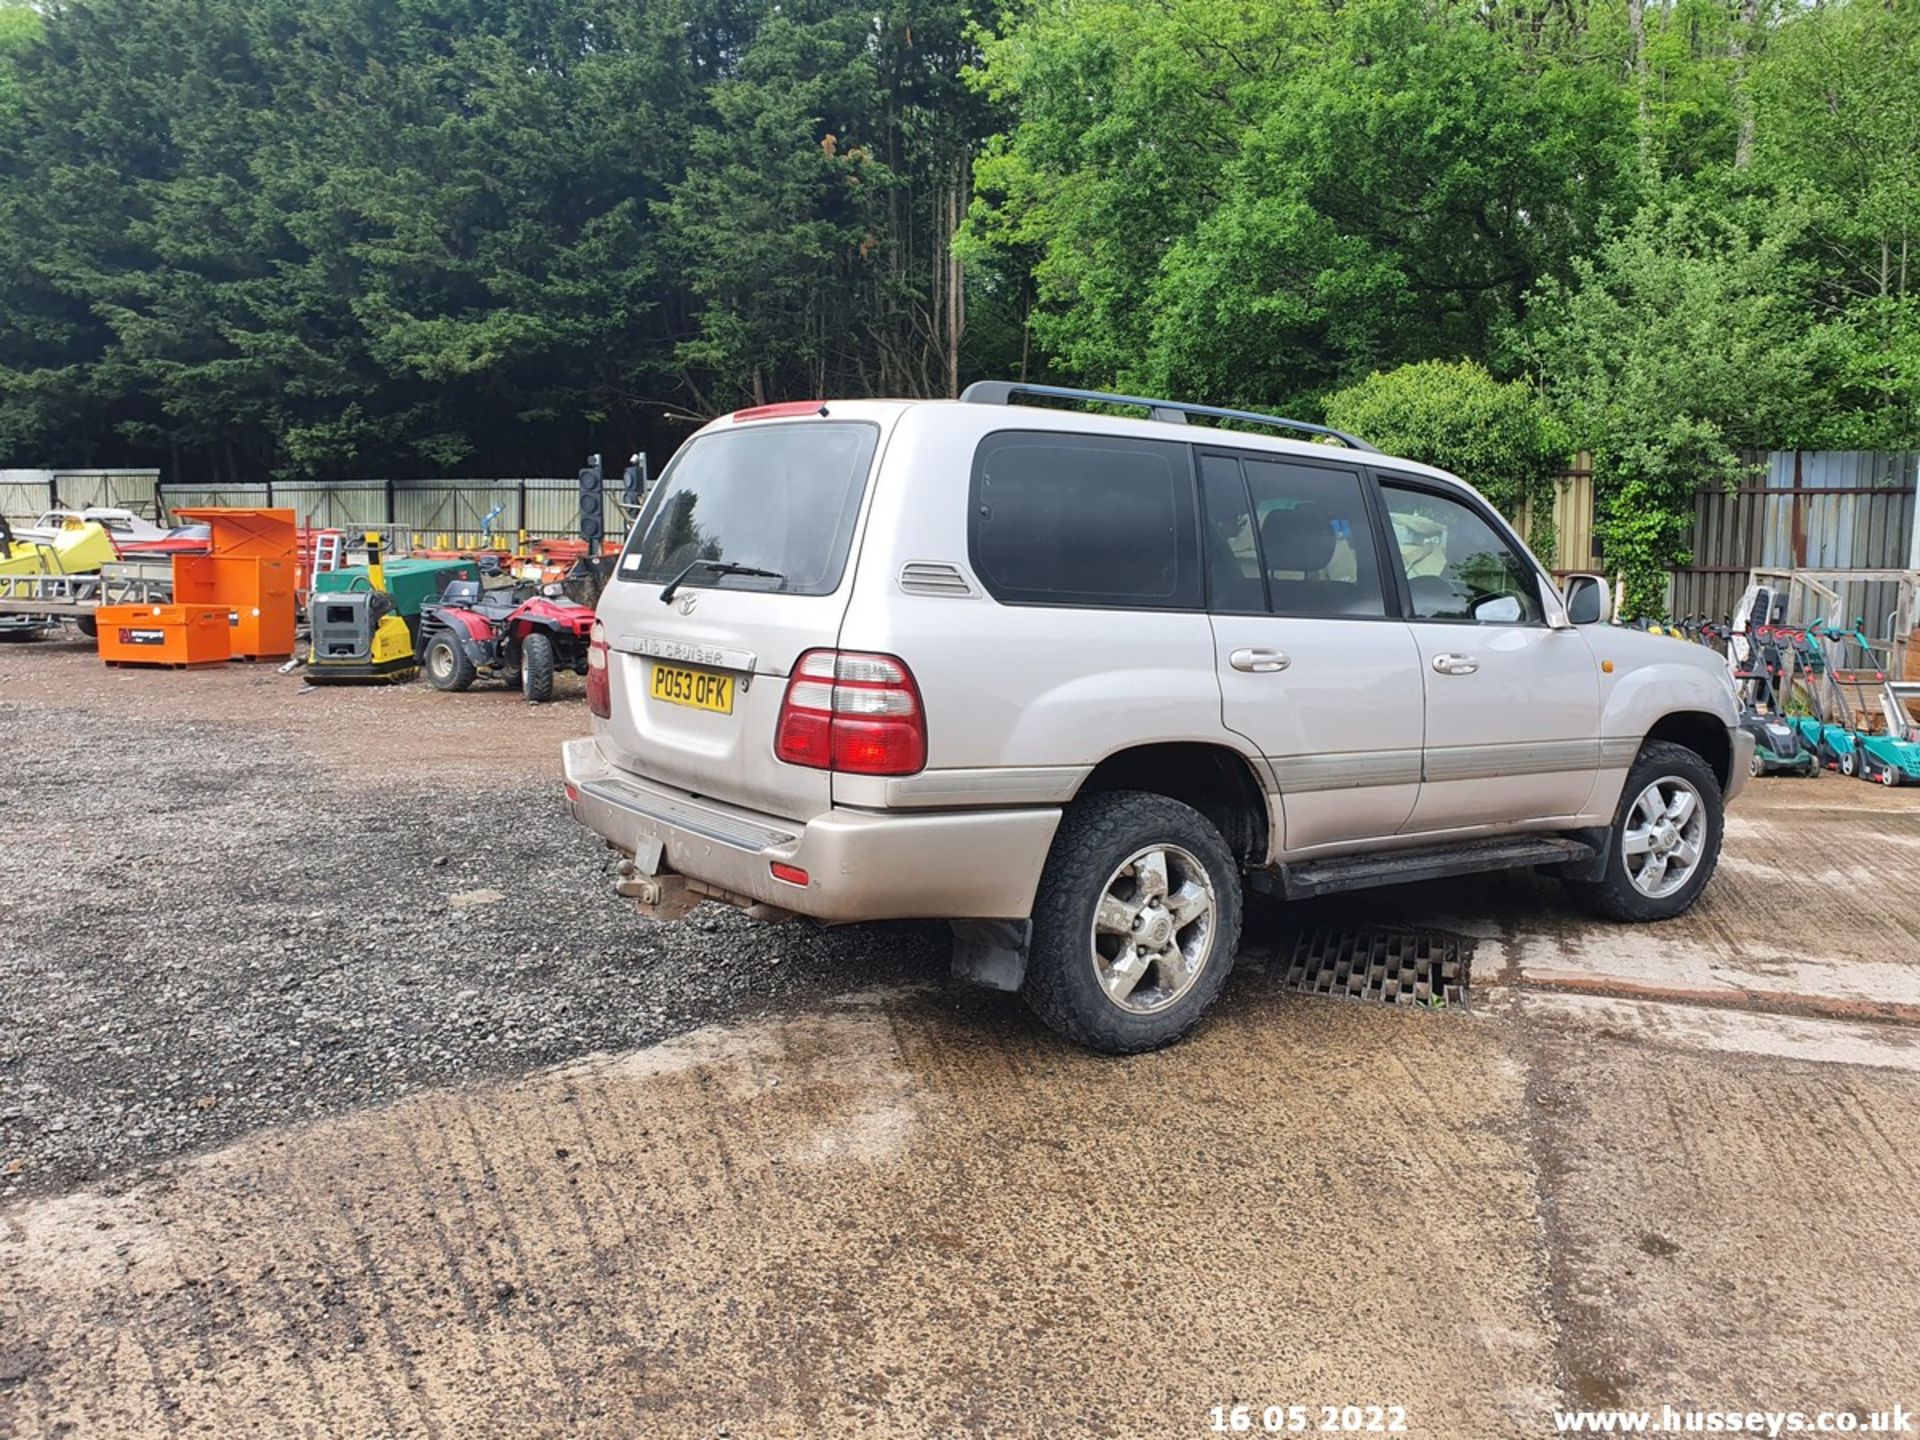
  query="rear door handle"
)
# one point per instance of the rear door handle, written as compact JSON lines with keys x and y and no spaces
{"x":1455,"y":664}
{"x":1259,"y":661}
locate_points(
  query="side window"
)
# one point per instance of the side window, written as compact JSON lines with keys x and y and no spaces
{"x":1316,"y":540}
{"x":1234,"y":583}
{"x":1459,"y":567}
{"x":1084,"y":520}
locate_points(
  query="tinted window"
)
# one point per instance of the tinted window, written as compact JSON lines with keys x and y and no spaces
{"x":773,"y":497}
{"x":1084,"y":520}
{"x":1458,"y":566}
{"x":1233,"y":555}
{"x":1306,"y":534}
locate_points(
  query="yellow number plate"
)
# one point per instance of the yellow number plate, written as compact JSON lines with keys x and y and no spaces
{"x":696,"y":689}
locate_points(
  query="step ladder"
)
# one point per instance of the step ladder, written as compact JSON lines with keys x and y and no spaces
{"x":329,"y":549}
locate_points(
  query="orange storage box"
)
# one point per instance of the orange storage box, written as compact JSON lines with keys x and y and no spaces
{"x":163,"y":634}
{"x":251,"y":568}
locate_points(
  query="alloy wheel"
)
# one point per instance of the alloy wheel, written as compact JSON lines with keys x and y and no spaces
{"x":1664,"y":837}
{"x":1153,"y":929}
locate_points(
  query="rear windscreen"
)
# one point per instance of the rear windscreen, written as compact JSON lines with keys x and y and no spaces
{"x":771,"y":497}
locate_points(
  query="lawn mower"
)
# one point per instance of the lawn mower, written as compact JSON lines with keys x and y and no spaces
{"x":519,"y":635}
{"x":1825,"y":730}
{"x":1886,"y":739}
{"x":357,"y":635}
{"x":1761,"y":658}
{"x":1863,"y":724}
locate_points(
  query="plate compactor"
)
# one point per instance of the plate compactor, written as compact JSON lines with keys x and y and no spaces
{"x":357,"y":635}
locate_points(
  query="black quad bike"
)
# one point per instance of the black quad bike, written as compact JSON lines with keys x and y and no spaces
{"x":520,"y":635}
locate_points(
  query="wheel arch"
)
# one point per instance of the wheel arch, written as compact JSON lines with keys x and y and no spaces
{"x":1701,"y":732}
{"x":1217,"y":780}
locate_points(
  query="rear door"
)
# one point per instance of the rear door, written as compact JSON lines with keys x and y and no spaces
{"x":1316,"y":669}
{"x":1513,"y":707}
{"x":697,"y":681}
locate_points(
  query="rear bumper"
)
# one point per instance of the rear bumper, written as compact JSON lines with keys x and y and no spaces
{"x":861,"y":864}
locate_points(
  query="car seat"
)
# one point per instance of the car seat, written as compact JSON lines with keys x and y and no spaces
{"x":1301,"y":542}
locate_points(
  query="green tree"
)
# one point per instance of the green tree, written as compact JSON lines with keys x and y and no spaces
{"x":1837,"y":123}
{"x":1678,"y":344}
{"x":1243,"y":202}
{"x":1502,"y":438}
{"x":815,"y":223}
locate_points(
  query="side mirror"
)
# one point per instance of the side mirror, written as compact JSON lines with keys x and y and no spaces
{"x":1589,"y":599}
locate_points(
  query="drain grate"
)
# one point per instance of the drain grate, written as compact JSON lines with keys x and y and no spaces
{"x":1405,"y":967}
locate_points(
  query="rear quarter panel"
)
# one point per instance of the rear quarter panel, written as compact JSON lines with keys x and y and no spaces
{"x":1012,"y":686}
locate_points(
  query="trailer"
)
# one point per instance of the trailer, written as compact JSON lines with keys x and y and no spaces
{"x":36,"y":604}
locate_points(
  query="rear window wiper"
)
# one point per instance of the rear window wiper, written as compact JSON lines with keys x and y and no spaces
{"x":718,"y":567}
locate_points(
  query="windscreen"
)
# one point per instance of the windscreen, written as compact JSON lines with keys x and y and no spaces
{"x":781,"y":498}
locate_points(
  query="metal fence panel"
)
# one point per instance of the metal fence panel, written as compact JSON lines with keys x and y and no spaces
{"x":1823,"y":510}
{"x":553,"y":507}
{"x":24,"y":500}
{"x":29,"y":494}
{"x":543,"y":506}
{"x":436,"y":507}
{"x":334,"y":504}
{"x":119,"y":489}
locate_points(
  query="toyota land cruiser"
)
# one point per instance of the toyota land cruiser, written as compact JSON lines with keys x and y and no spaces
{"x":1070,"y":680}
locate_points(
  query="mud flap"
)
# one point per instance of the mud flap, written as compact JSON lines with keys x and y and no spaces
{"x":992,"y":953}
{"x":1593,"y":868}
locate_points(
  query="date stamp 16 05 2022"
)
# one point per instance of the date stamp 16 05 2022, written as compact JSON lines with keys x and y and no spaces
{"x":1290,"y":1419}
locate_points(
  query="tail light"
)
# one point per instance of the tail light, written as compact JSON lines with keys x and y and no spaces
{"x":855,"y":713}
{"x":599,"y":692}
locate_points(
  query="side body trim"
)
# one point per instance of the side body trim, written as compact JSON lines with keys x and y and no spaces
{"x":1008,"y":785}
{"x":1353,"y":770}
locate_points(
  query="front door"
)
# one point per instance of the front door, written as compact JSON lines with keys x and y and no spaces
{"x":1314,"y":671}
{"x":1513,"y":707}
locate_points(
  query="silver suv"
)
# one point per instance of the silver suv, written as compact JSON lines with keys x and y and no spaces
{"x":1070,"y":681}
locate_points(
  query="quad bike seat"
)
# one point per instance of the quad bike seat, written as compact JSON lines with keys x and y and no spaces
{"x":461,"y":592}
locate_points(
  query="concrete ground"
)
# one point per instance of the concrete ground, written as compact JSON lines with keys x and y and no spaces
{"x":833,"y":1195}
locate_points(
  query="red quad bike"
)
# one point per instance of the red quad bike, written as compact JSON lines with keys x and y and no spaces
{"x":520,"y":636}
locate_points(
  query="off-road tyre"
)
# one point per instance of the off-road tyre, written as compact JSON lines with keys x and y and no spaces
{"x":447,"y":664}
{"x":1097,"y":834}
{"x":1616,"y":897}
{"x":536,"y":668}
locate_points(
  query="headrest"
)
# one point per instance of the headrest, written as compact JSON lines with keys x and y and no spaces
{"x":1299,"y":539}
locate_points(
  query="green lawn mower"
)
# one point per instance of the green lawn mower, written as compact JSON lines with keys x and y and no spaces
{"x":1866,"y":724}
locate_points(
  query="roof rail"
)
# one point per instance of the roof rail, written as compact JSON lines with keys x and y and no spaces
{"x":1001,"y":392}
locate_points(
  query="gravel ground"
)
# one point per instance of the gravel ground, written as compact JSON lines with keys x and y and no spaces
{"x":209,"y":926}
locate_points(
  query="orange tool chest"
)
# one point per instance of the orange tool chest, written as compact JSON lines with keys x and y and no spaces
{"x":250,"y":568}
{"x":163,"y":634}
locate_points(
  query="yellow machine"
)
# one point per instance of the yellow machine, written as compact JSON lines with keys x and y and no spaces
{"x":356,"y":635}
{"x":74,"y":549}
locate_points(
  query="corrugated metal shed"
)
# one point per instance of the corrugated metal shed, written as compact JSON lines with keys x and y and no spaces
{"x":1821,"y":510}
